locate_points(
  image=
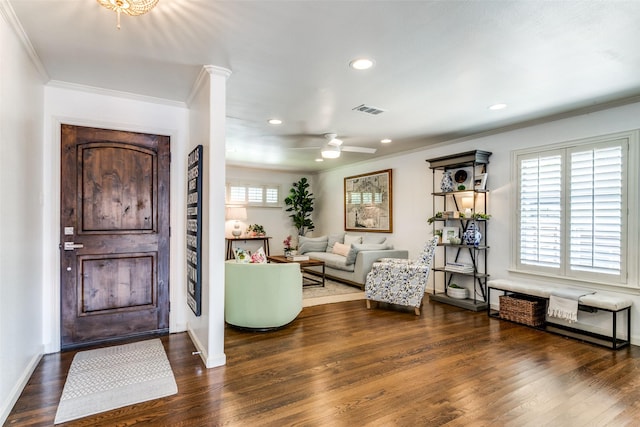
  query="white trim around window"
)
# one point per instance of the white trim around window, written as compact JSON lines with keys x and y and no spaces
{"x":576,"y":210}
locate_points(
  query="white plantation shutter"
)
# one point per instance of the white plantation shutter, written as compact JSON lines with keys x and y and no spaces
{"x":254,"y":194}
{"x":272,"y":196}
{"x":596,"y":206}
{"x":237,"y":194}
{"x":540,"y":210}
{"x":572,"y":207}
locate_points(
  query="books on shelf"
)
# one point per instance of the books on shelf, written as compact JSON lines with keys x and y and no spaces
{"x":298,"y":257}
{"x":457,"y":267}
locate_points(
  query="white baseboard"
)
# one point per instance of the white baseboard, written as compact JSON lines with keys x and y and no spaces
{"x":209,"y":362}
{"x":14,"y":394}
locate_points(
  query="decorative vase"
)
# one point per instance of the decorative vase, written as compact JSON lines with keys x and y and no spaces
{"x":446,"y":185}
{"x":472,"y":235}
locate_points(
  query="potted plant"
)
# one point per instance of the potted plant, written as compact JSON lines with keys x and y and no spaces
{"x":256,"y":230}
{"x":289,"y":248}
{"x":438,"y":215}
{"x":300,"y":204}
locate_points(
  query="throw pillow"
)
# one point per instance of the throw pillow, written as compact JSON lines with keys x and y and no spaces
{"x":353,"y":253}
{"x":241,"y":255}
{"x":348,"y":239}
{"x":259,"y":257}
{"x":312,"y":244}
{"x":333,"y":238}
{"x":373,"y":239}
{"x":341,"y":249}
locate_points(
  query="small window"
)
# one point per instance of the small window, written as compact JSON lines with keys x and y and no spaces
{"x":254,"y":194}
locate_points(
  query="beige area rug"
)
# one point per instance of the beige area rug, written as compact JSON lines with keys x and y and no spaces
{"x":332,"y":292}
{"x":108,"y":378}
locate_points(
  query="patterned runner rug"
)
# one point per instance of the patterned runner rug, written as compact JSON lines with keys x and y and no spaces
{"x":108,"y":378}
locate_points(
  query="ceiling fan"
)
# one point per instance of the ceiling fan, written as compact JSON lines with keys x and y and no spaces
{"x":333,"y":147}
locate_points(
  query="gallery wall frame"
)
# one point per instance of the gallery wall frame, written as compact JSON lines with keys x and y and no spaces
{"x":368,"y":202}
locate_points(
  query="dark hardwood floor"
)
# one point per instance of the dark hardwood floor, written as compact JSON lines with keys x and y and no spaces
{"x":343,"y":365}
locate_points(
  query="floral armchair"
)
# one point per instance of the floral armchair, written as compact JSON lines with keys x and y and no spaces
{"x":400,"y":281}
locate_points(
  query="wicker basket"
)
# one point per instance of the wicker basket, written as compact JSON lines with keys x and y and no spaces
{"x":523,"y":309}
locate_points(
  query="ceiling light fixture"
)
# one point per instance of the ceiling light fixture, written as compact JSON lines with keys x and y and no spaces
{"x":275,"y":121}
{"x":330,"y":151}
{"x":385,"y":141}
{"x":361,"y":64}
{"x":495,"y":107}
{"x":130,"y":7}
{"x":319,"y":159}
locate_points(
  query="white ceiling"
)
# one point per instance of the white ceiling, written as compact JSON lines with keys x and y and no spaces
{"x":438,"y":65}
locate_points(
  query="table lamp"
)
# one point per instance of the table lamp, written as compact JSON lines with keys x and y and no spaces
{"x":237,"y":214}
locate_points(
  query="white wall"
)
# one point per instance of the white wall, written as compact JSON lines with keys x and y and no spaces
{"x":21,"y":192}
{"x":89,"y":107}
{"x":276,"y":221}
{"x":412,"y":188}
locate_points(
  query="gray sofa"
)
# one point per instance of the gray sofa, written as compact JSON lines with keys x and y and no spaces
{"x":351,"y":262}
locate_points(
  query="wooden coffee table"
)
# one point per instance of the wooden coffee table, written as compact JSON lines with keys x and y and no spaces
{"x":311,"y":281}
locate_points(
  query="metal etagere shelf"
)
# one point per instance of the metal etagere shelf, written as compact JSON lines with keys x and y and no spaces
{"x":463,"y":214}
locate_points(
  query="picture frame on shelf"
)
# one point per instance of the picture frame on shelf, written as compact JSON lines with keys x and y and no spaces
{"x":480,"y":182}
{"x":462,"y":177}
{"x":449,"y":233}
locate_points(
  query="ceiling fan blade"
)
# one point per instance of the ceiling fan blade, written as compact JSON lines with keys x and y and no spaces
{"x":366,"y":150}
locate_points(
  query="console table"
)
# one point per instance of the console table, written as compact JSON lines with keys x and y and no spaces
{"x":263,"y":239}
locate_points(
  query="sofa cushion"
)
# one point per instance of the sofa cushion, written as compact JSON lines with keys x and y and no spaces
{"x":332,"y":260}
{"x":341,"y":249}
{"x":373,"y":239}
{"x":355,"y":248}
{"x":312,"y":244}
{"x":350,"y":239}
{"x":333,"y":238}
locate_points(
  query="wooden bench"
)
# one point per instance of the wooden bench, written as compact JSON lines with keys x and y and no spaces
{"x":590,"y":303}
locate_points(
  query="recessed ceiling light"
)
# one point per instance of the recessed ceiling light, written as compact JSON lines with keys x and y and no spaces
{"x":497,"y":107}
{"x":275,"y":121}
{"x":319,"y":160}
{"x":361,"y":64}
{"x":385,"y":141}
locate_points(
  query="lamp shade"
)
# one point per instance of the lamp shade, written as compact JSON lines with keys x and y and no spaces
{"x":238,"y":213}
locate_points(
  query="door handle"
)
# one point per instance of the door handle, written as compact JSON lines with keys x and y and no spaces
{"x":70,"y":246}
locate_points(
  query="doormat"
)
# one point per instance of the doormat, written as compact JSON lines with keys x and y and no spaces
{"x":331,"y":292}
{"x":108,"y":378}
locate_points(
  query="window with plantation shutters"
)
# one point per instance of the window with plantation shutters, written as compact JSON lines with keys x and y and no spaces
{"x":596,"y":206}
{"x":572,"y":211}
{"x":264,"y":195}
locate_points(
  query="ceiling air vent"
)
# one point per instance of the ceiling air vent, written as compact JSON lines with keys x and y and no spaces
{"x":367,"y":109}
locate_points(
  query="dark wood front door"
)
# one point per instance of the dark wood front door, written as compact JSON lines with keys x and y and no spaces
{"x":114,"y":229}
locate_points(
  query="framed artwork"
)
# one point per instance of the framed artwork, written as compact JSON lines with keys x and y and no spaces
{"x":450,"y":233}
{"x":194,"y":230}
{"x":480,"y":182}
{"x":368,"y":202}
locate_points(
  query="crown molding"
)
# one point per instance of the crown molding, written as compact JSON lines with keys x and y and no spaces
{"x":9,"y":15}
{"x":205,"y":72}
{"x":115,"y":93}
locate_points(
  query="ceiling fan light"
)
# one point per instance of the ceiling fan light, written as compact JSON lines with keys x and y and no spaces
{"x":330,"y":152}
